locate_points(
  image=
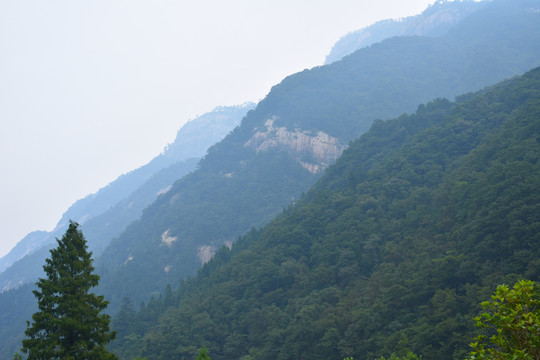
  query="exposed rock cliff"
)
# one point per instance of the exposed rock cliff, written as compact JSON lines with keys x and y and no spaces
{"x":314,"y":151}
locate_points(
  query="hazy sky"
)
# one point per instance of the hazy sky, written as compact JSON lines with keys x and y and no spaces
{"x":92,"y":89}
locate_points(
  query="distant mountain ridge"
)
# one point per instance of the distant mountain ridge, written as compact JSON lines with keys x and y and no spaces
{"x":105,"y":214}
{"x":436,"y":20}
{"x":26,"y":246}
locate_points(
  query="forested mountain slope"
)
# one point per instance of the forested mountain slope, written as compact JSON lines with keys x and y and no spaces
{"x":391,"y":251}
{"x":302,"y":126}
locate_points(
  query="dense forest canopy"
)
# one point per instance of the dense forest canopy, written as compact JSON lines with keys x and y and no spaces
{"x":237,"y":187}
{"x":391,"y":251}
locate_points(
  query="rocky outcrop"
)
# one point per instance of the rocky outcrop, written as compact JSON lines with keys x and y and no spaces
{"x":205,"y":253}
{"x":166,"y":239}
{"x":314,"y":151}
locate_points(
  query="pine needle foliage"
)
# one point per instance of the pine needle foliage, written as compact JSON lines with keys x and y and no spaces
{"x":69,"y":323}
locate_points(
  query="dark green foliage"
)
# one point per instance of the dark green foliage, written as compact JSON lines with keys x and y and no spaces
{"x":21,"y":304}
{"x":124,"y":319}
{"x":69,"y":323}
{"x":390,"y":253}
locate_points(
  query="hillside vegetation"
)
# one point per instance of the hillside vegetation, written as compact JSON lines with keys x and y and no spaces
{"x":393,"y":247}
{"x":391,"y":251}
{"x":240,"y":185}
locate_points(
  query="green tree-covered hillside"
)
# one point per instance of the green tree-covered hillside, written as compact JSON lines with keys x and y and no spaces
{"x":392,"y":251}
{"x":258,"y":169}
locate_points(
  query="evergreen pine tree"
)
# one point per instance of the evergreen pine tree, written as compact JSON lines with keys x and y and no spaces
{"x":123,"y":321}
{"x":69,"y":323}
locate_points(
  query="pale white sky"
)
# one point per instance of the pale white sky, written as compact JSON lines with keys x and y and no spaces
{"x":92,"y":89}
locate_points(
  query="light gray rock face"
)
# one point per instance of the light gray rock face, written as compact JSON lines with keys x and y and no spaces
{"x":315,"y":151}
